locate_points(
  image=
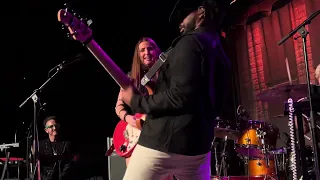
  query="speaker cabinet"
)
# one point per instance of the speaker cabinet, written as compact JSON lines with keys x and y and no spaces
{"x":116,"y":164}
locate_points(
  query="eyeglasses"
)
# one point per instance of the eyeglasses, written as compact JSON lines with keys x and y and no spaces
{"x":53,"y":125}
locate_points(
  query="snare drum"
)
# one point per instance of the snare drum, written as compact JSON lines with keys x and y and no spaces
{"x":250,"y":144}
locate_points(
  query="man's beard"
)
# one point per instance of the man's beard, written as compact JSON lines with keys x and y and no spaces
{"x":190,"y":26}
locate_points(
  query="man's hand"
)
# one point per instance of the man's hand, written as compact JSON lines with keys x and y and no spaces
{"x":128,"y":93}
{"x":131,"y":120}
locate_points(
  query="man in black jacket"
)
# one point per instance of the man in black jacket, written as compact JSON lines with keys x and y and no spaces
{"x":177,"y":134}
{"x":54,"y":153}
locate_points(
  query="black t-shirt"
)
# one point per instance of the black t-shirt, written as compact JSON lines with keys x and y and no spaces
{"x":55,"y":158}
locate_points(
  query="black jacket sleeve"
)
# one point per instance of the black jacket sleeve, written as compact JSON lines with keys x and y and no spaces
{"x":184,"y":69}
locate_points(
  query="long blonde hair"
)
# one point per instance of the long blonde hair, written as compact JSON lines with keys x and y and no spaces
{"x":137,"y":67}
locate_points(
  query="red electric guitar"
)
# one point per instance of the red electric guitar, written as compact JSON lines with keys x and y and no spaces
{"x":125,"y":137}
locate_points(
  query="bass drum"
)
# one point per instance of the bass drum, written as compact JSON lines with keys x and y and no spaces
{"x":241,"y":178}
{"x":259,"y":167}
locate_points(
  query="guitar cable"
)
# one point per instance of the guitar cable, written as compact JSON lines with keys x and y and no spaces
{"x":292,"y":140}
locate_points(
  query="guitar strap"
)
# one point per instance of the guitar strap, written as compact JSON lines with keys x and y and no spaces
{"x":153,"y":70}
{"x":162,"y":59}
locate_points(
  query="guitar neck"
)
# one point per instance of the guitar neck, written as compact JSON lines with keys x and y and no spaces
{"x":115,"y":72}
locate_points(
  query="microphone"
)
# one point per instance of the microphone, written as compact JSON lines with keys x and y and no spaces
{"x":64,"y":64}
{"x":78,"y":57}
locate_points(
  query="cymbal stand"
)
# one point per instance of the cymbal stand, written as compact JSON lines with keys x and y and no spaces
{"x":223,"y":160}
{"x":265,"y":150}
{"x":279,"y":160}
{"x":276,"y":165}
{"x":216,"y":157}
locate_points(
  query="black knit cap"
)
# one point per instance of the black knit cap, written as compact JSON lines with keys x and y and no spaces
{"x":183,"y":8}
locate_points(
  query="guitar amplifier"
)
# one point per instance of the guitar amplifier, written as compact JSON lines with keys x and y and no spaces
{"x":116,"y":164}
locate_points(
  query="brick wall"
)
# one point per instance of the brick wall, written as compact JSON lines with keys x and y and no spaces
{"x":298,"y":15}
{"x":255,"y":44}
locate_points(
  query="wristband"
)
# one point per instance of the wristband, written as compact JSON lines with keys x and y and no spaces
{"x":124,"y":117}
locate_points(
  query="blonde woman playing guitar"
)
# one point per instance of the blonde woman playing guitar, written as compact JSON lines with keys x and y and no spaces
{"x":145,"y":55}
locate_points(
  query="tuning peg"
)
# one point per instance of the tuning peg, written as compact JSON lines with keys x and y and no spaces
{"x":69,"y":36}
{"x":86,"y":20}
{"x":63,"y":26}
{"x":89,"y":22}
{"x":67,"y":5}
{"x":75,"y":14}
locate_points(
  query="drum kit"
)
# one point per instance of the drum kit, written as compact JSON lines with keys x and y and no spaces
{"x":255,"y":142}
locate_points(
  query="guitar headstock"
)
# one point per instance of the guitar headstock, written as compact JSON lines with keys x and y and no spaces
{"x":78,"y":29}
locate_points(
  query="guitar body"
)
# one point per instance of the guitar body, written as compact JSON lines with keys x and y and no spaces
{"x":125,"y":137}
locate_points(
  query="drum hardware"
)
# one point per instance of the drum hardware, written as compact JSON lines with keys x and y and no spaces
{"x":257,"y":139}
{"x":214,"y":145}
{"x":223,"y":164}
{"x":261,"y":135}
{"x":223,"y":131}
{"x":226,"y":132}
{"x":280,"y":160}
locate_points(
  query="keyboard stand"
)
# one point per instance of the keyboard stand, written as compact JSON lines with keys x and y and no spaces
{"x":5,"y":168}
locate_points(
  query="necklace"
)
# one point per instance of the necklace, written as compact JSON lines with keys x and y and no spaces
{"x":54,"y":149}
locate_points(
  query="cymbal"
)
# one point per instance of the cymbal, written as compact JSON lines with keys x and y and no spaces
{"x":283,"y":92}
{"x":223,"y":132}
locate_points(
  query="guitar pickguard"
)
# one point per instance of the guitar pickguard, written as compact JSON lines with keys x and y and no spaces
{"x":132,"y":135}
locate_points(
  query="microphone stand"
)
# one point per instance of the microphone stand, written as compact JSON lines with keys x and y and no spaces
{"x":28,"y":155}
{"x":34,"y":97}
{"x":303,"y":34}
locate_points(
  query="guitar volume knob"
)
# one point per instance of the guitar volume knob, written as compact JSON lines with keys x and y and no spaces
{"x":123,"y":148}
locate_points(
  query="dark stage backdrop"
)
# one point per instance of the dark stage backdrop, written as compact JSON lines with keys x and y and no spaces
{"x":82,"y":96}
{"x":261,"y":62}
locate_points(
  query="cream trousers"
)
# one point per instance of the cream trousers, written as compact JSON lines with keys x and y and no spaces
{"x":149,"y":164}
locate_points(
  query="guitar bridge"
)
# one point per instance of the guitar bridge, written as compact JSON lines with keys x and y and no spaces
{"x":126,"y":134}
